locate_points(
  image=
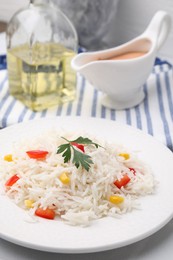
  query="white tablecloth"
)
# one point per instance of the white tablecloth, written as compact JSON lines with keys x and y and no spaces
{"x":154,"y":116}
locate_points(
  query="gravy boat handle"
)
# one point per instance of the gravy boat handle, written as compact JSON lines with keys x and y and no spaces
{"x":158,"y":29}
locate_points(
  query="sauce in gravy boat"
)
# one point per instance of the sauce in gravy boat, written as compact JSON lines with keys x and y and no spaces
{"x":120,"y":72}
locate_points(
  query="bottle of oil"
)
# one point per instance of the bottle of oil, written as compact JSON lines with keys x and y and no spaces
{"x":41,"y":41}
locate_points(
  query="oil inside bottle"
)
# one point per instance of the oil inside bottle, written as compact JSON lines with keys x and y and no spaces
{"x":41,"y":76}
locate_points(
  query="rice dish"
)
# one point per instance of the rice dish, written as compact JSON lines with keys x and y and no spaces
{"x":75,"y":195}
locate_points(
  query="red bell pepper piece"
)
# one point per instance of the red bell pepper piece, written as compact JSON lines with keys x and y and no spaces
{"x":133,"y":170}
{"x":79,"y":146}
{"x":37,"y":154}
{"x":122,"y":182}
{"x":12,"y":180}
{"x":45,"y":213}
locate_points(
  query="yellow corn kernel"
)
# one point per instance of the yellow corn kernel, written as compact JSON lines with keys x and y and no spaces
{"x":8,"y":158}
{"x":116,"y":199}
{"x":125,"y":155}
{"x":29,"y":203}
{"x":64,"y":178}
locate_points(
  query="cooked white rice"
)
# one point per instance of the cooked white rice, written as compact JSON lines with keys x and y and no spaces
{"x":87,"y":195}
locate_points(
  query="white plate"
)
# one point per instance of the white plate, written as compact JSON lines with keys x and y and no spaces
{"x":107,"y":233}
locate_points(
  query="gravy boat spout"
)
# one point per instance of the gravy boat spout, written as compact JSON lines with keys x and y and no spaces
{"x":120,"y":72}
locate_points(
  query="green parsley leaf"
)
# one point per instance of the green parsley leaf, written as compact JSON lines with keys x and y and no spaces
{"x":78,"y":158}
{"x":82,"y":140}
{"x":82,"y":159}
{"x":65,"y":148}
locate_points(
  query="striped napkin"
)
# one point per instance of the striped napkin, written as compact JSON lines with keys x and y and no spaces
{"x":154,"y":115}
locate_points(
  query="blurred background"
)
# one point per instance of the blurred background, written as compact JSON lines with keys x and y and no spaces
{"x":102,"y":24}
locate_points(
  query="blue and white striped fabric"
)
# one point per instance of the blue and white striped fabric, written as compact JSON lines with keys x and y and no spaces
{"x":154,"y":115}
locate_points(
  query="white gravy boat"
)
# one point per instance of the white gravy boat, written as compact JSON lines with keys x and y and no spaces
{"x":121,"y":80}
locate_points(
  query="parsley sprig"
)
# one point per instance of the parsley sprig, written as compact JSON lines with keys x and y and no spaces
{"x":79,"y":158}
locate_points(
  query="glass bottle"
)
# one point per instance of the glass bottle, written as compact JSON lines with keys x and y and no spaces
{"x":41,"y":41}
